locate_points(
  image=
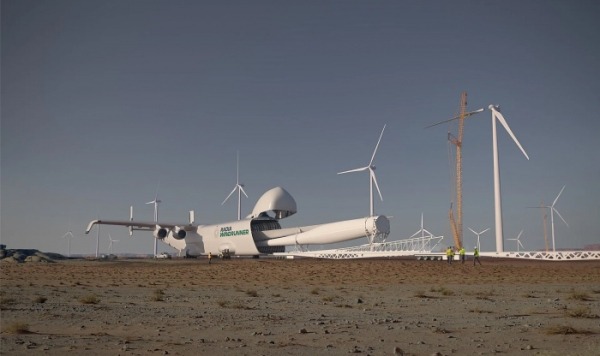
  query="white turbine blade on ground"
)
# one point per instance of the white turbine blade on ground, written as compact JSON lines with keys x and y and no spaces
{"x":230,"y":194}
{"x":374,"y":178}
{"x":500,"y":118}
{"x":560,"y":216}
{"x":558,"y":196}
{"x":377,"y":146}
{"x":355,"y":170}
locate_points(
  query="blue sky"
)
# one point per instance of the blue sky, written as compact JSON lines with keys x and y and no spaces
{"x":102,"y":100}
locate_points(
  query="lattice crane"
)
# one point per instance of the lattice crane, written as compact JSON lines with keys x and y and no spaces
{"x":456,"y":219}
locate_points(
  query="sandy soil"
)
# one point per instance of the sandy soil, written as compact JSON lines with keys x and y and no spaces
{"x":298,"y":307}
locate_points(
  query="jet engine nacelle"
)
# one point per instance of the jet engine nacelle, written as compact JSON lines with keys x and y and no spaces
{"x":179,"y":233}
{"x":160,"y":232}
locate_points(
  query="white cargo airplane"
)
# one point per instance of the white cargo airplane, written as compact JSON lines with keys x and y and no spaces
{"x":258,"y":234}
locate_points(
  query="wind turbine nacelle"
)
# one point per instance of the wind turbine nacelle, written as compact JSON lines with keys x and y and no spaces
{"x":160,"y":232}
{"x":178,"y":233}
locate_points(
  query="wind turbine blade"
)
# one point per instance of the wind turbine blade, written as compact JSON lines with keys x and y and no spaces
{"x":237,"y":168}
{"x":355,"y":170}
{"x":230,"y":194}
{"x":558,"y":196}
{"x":374,"y":178}
{"x":151,"y":202}
{"x":243,"y":191}
{"x":484,"y":230}
{"x":560,"y":216}
{"x":156,"y":193}
{"x":441,"y":122}
{"x":467,"y":115}
{"x":473,"y":231}
{"x":520,"y":244}
{"x":520,"y":233}
{"x":500,"y":118}
{"x":377,"y":146}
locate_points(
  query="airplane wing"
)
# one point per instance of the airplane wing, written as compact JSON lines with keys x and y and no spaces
{"x":138,"y":225}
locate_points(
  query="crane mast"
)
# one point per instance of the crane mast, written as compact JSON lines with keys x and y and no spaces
{"x":456,"y":218}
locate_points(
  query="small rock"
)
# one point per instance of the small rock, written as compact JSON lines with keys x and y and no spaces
{"x":302,"y":331}
{"x":398,"y":351}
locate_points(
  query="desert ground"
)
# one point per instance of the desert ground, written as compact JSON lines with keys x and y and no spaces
{"x":300,"y":307}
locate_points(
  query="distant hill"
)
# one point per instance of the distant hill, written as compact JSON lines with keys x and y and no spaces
{"x":592,"y":247}
{"x":27,"y":255}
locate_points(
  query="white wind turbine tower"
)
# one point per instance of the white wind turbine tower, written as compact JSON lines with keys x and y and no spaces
{"x":552,"y":211}
{"x":496,"y":115}
{"x":518,"y":239}
{"x":372,"y":178}
{"x":478,"y":234}
{"x":239,"y":187}
{"x":110,"y":244}
{"x":68,"y":236}
{"x":155,"y":202}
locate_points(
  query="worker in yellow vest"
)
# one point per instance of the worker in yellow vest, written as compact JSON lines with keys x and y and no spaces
{"x":449,"y":255}
{"x":476,"y":256}
{"x":462,"y":254}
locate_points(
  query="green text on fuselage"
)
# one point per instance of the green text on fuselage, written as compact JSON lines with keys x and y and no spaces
{"x":227,"y":232}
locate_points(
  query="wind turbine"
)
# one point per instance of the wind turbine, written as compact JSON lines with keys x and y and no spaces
{"x":97,"y":240}
{"x":239,"y":187}
{"x":372,"y":178}
{"x":68,"y":236}
{"x":110,"y":244}
{"x":422,"y":231}
{"x":131,"y":219}
{"x":552,"y":211}
{"x":156,"y":201}
{"x":478,"y":234}
{"x":518,"y":241}
{"x":497,"y":116}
